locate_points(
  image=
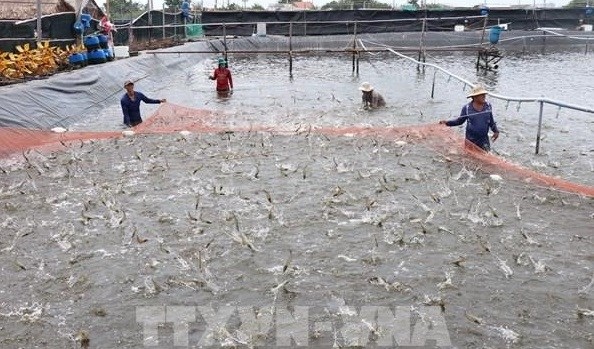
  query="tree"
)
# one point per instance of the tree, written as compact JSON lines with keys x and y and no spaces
{"x":257,"y":7}
{"x":578,"y":3}
{"x":125,"y":9}
{"x":232,"y":7}
{"x":414,"y":3}
{"x":354,"y":4}
{"x":173,"y":4}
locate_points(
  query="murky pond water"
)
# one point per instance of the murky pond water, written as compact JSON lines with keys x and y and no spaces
{"x":345,"y":231}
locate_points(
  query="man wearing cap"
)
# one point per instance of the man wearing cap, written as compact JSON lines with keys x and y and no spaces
{"x":371,"y":98}
{"x":478,"y":116}
{"x":222,"y":75}
{"x":130,"y":102}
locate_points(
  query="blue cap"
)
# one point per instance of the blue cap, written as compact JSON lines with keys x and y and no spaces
{"x":222,"y":61}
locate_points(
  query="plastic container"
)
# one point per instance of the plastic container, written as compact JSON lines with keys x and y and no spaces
{"x":103,"y":41}
{"x":97,"y":57}
{"x":76,"y":60}
{"x":91,"y":43}
{"x":86,"y":20}
{"x":86,"y":58}
{"x":78,"y":27}
{"x":494,"y":33}
{"x":108,"y":54}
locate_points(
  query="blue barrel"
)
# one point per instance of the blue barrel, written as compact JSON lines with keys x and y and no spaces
{"x":85,"y":58}
{"x":108,"y":54}
{"x":86,"y":20}
{"x":97,"y":57}
{"x":484,"y":11}
{"x":78,"y":27}
{"x":91,"y":43}
{"x":103,"y":41}
{"x":494,"y":34}
{"x":76,"y":60}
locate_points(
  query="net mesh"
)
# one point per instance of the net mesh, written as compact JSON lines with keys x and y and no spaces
{"x":172,"y":118}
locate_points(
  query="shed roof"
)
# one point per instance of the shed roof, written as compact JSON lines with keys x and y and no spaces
{"x":25,"y":9}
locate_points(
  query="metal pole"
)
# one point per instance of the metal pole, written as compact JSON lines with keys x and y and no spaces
{"x":107,"y":8}
{"x":163,"y":21}
{"x":39,"y":34}
{"x":539,"y":127}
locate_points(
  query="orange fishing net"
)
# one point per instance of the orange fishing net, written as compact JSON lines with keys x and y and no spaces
{"x":171,"y":118}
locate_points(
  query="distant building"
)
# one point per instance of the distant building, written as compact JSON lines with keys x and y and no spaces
{"x":295,"y":6}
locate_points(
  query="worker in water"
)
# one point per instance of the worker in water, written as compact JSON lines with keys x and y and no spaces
{"x":222,"y":75}
{"x":478,"y":115}
{"x":130,"y":102}
{"x":371,"y":99}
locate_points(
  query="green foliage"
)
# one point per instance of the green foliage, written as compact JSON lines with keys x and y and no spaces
{"x":232,"y":7}
{"x":257,"y":7}
{"x":173,"y":4}
{"x":354,"y":4}
{"x":578,"y":3}
{"x":125,"y":9}
{"x":414,"y":3}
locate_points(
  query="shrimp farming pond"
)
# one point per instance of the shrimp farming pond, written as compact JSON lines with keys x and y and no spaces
{"x":277,"y":225}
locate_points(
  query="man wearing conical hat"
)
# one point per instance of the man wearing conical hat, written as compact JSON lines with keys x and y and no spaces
{"x":478,"y":115}
{"x":222,"y":75}
{"x":371,"y":98}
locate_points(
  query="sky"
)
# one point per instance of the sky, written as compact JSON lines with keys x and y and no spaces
{"x":158,"y":4}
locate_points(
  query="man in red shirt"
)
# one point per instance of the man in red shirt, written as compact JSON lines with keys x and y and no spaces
{"x":222,"y":75}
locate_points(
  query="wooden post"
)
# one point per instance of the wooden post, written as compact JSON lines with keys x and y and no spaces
{"x":354,"y":46}
{"x":433,"y":85}
{"x":422,"y":45}
{"x":39,"y":14}
{"x":225,"y":42}
{"x":539,"y":128}
{"x":291,"y":50}
{"x":478,"y":59}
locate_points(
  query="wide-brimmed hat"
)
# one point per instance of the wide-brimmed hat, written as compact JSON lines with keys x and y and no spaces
{"x":128,"y":82}
{"x":477,"y":91}
{"x":366,"y":87}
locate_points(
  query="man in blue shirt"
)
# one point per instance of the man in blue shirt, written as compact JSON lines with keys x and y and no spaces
{"x":131,"y":104}
{"x":478,"y":116}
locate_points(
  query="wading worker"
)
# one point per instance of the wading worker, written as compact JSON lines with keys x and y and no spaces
{"x":131,"y":104}
{"x":222,"y":75}
{"x":371,"y":98}
{"x":478,"y":116}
